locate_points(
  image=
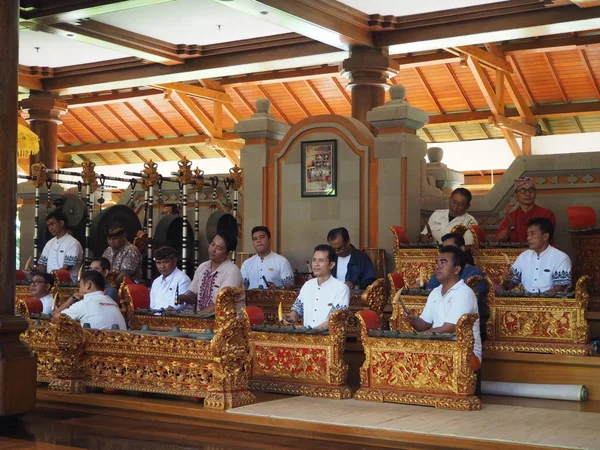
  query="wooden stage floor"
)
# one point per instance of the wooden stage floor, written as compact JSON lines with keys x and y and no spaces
{"x":122,"y":421}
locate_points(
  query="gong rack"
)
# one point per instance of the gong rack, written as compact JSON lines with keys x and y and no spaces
{"x":148,"y":178}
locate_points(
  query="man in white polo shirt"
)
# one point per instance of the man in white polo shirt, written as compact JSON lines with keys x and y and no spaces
{"x":170,"y":283}
{"x":266,"y":269}
{"x":63,"y":251}
{"x":91,"y":306}
{"x":40,"y":286}
{"x":449,"y":301}
{"x":322,"y":295}
{"x":542,"y":268}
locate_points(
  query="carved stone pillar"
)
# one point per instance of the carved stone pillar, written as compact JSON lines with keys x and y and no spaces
{"x":262,"y":131}
{"x":369,"y":70}
{"x":44,"y":117}
{"x":17,"y":364}
{"x":400,"y":154}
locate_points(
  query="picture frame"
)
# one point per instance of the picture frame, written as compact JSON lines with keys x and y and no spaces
{"x":319,"y":168}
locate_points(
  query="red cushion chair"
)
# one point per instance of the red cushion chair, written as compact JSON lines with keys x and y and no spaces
{"x":19,"y":275}
{"x":581,"y":216}
{"x":478,"y":233}
{"x":255,"y":315}
{"x":127,"y":281}
{"x":370,"y":318}
{"x":396,"y":280}
{"x":34,"y":305}
{"x":140,"y":295}
{"x":400,"y":235}
{"x":62,"y":275}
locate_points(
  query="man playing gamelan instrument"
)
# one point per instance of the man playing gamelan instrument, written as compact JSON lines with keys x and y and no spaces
{"x":542,"y":268}
{"x":266,"y":269}
{"x":322,"y":295}
{"x":514,"y":226}
{"x":449,"y":301}
{"x":170,"y":283}
{"x":213,"y":275}
{"x":63,"y":251}
{"x":442,"y":221}
{"x":125,"y":258}
{"x":90,"y":305}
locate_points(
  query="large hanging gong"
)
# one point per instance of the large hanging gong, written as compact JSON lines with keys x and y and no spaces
{"x":75,"y":211}
{"x":117,"y":213}
{"x":169,"y":232}
{"x":218,"y":221}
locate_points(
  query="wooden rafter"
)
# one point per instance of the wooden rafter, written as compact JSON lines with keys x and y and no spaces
{"x":579,"y":125}
{"x":463,"y":94}
{"x":590,"y":73}
{"x":119,"y":119}
{"x":197,"y":152}
{"x":555,"y":77}
{"x":103,"y":123}
{"x":191,"y":123}
{"x":86,"y":126}
{"x":99,"y":156}
{"x":290,"y":91}
{"x":274,"y":103}
{"x":317,"y":94}
{"x":244,"y":100}
{"x":122,"y":157}
{"x":197,"y":91}
{"x":342,"y":90}
{"x":428,"y":134}
{"x":486,"y":87}
{"x":141,"y":118}
{"x":201,"y":118}
{"x":158,"y":154}
{"x":519,"y":75}
{"x":546,"y":124}
{"x":139,"y":156}
{"x":428,"y":91}
{"x":177,"y":153}
{"x":456,"y":133}
{"x":75,"y":135}
{"x":485,"y":131}
{"x":161,"y":117}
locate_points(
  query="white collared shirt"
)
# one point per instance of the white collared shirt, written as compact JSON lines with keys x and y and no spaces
{"x":65,"y":251}
{"x":165,"y":290}
{"x":440,"y":225}
{"x":341,"y":267}
{"x":540,"y":273}
{"x":274,"y":267}
{"x":47,"y":301}
{"x":316,"y":302}
{"x":97,"y":309}
{"x":460,"y":299}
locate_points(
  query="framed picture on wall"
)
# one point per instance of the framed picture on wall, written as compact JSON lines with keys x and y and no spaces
{"x":319,"y":169}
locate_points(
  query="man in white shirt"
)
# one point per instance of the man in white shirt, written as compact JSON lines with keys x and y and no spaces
{"x":40,"y":286}
{"x":542,"y":268}
{"x":322,"y":295}
{"x":352,"y":266}
{"x":63,"y":251}
{"x":266,"y":269}
{"x":91,"y":306}
{"x":449,"y":301}
{"x":170,"y":283}
{"x":442,"y":221}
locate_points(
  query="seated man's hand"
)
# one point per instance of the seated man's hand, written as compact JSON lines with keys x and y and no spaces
{"x":271,"y":285}
{"x":410,"y":316}
{"x":503,"y":236}
{"x":291,"y":318}
{"x":350,"y":284}
{"x":507,"y":275}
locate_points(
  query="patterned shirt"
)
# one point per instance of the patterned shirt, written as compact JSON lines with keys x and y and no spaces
{"x":207,"y":284}
{"x":440,"y":224}
{"x":126,"y":260}
{"x":540,"y":273}
{"x":316,"y":302}
{"x":274,"y":267}
{"x":65,"y":251}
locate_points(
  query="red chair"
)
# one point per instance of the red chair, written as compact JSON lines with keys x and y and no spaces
{"x":62,"y":276}
{"x":371,"y":319}
{"x":34,"y":305}
{"x":127,"y":281}
{"x":396,"y":281}
{"x":140,"y":295}
{"x":19,"y":275}
{"x":581,"y":216}
{"x":478,"y":233}
{"x":400,"y":235}
{"x":256,"y":316}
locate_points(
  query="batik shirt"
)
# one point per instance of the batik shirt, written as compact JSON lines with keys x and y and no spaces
{"x":207,"y":284}
{"x":540,"y":273}
{"x":126,"y":260}
{"x":65,"y":251}
{"x":316,"y":302}
{"x":274,"y":267}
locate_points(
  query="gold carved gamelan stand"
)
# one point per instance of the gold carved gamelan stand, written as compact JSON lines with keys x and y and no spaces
{"x":587,"y":262}
{"x":301,"y":364}
{"x":538,"y":324}
{"x":71,"y":358}
{"x":419,"y":371}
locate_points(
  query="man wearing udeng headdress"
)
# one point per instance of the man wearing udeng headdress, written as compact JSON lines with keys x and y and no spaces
{"x":514,"y":226}
{"x":124,"y":257}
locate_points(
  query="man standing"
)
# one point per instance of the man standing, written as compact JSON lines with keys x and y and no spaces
{"x":514,"y":226}
{"x":542,"y":268}
{"x":449,"y":301}
{"x":170,"y":283}
{"x":266,"y":269}
{"x":124,"y":257}
{"x":213,"y":275}
{"x":40,"y":286}
{"x":322,"y":295}
{"x":91,"y":306}
{"x":442,"y":221}
{"x":63,"y":251}
{"x":352,"y":267}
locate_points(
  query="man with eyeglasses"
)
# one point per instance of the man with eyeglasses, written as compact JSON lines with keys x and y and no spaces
{"x":514,"y":226}
{"x":40,"y":286}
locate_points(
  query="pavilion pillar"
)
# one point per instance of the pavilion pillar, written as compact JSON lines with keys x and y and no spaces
{"x":262,"y":131}
{"x":400,"y":156}
{"x":369,"y":69}
{"x":44,"y":117}
{"x":17,"y":364}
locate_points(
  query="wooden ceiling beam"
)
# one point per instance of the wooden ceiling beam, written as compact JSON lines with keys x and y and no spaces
{"x":162,"y":118}
{"x":428,"y":134}
{"x":203,"y":121}
{"x":512,"y":142}
{"x":197,"y":91}
{"x":519,"y":75}
{"x":342,"y":90}
{"x":319,"y":97}
{"x":546,"y":44}
{"x":325,"y":21}
{"x":274,"y":103}
{"x":103,"y":123}
{"x":463,"y":94}
{"x":486,"y":88}
{"x":290,"y":91}
{"x":86,"y":126}
{"x":141,"y":118}
{"x":428,"y":91}
{"x":119,"y":119}
{"x":513,"y":125}
{"x":108,"y":99}
{"x":485,"y":58}
{"x":244,"y":100}
{"x":224,"y":144}
{"x":158,"y":154}
{"x":555,"y":77}
{"x":280,"y":76}
{"x":589,"y":71}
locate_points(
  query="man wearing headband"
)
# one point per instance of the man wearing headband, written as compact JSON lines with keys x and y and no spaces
{"x":124,"y":257}
{"x":514,"y":226}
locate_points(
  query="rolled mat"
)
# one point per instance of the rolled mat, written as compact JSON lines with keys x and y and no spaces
{"x":573,"y":392}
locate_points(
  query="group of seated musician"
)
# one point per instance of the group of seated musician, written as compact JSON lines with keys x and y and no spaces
{"x":63,"y":251}
{"x":90,"y":305}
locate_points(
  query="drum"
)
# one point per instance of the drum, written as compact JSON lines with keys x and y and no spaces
{"x":377,"y":256}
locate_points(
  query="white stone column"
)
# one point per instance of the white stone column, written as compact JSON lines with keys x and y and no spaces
{"x":261,"y":132}
{"x":400,"y":155}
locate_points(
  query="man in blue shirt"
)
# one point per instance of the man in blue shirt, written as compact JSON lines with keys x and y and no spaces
{"x":353,"y":267}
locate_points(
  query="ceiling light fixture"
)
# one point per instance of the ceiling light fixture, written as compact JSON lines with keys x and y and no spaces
{"x":264,"y":13}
